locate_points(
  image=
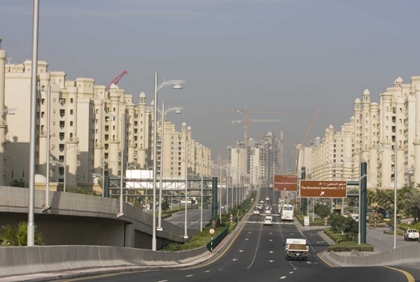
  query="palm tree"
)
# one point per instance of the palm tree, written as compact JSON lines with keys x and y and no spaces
{"x":412,"y":200}
{"x":16,"y":235}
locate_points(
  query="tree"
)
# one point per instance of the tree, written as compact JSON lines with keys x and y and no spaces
{"x":322,"y":210}
{"x":412,"y":200}
{"x":16,"y":235}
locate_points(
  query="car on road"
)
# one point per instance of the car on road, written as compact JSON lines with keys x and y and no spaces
{"x":256,"y":211}
{"x":261,"y":202}
{"x":268,"y":220}
{"x":267,"y":199}
{"x":268,"y":210}
{"x":411,"y":234}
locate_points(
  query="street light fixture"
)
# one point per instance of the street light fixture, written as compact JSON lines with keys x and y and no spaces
{"x":176,"y":85}
{"x":33,"y":124}
{"x":186,"y":188}
{"x":163,"y":113}
{"x":381,"y":149}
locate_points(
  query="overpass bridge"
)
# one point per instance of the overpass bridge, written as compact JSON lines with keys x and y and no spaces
{"x":78,"y":219}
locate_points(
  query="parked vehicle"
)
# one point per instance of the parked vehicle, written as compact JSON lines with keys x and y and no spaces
{"x":296,"y":248}
{"x":411,"y":234}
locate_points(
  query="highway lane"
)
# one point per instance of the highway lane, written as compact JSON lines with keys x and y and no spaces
{"x":193,"y":218}
{"x":257,"y":254}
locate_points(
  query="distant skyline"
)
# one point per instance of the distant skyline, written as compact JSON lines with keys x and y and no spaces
{"x":287,"y":56}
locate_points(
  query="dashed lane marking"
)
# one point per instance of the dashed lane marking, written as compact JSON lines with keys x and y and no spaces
{"x":282,"y":277}
{"x":189,"y":275}
{"x":207,"y":271}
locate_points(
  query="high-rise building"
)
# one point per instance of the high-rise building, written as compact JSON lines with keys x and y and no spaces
{"x":263,"y":159}
{"x":87,"y":127}
{"x":384,"y":134}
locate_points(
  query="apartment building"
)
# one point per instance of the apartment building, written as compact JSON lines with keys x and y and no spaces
{"x":260,"y":161}
{"x":383,"y":134}
{"x":89,"y":127}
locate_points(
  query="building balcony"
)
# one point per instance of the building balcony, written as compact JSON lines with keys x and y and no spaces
{"x":73,"y":140}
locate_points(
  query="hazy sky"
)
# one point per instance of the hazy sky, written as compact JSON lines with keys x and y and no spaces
{"x":268,"y":55}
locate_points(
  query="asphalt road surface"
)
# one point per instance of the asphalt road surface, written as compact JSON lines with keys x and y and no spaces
{"x":257,"y":254}
{"x":193,"y":218}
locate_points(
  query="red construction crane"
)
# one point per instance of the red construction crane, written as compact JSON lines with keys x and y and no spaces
{"x":116,"y":79}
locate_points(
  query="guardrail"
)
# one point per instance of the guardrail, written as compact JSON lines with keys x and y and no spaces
{"x":38,"y":259}
{"x":406,"y":254}
{"x":216,"y":240}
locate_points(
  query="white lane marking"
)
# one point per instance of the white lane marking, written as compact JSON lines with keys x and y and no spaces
{"x":271,"y":240}
{"x":271,"y":252}
{"x":189,"y":275}
{"x":241,"y":251}
{"x":246,"y":239}
{"x":271,"y":260}
{"x":220,"y":269}
{"x":234,"y":259}
{"x":163,"y":281}
{"x":313,"y":249}
{"x":249,"y":232}
{"x":207,"y":271}
{"x":291,"y":272}
{"x":282,"y":277}
{"x":271,"y":233}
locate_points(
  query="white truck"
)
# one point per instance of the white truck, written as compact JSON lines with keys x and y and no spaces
{"x":296,"y":248}
{"x":411,"y":234}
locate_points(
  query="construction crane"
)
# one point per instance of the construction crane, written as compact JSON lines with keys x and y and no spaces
{"x":247,"y":120}
{"x":116,"y":79}
{"x":302,"y":144}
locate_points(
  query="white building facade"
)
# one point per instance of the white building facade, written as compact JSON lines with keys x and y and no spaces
{"x":383,"y":134}
{"x":87,"y":127}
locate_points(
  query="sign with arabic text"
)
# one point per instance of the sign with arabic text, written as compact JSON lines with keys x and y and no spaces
{"x":323,"y":189}
{"x":285,"y":182}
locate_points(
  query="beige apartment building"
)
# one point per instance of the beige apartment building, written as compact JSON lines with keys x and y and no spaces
{"x":383,"y":134}
{"x":89,"y":125}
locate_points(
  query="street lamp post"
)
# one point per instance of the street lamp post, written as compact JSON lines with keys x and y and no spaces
{"x":32,"y":153}
{"x":176,"y":85}
{"x":47,"y":186}
{"x":186,"y":188}
{"x":177,"y":110}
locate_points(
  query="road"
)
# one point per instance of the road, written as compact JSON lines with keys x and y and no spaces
{"x":194,"y":215}
{"x":383,"y":242}
{"x":193,"y":218}
{"x":257,"y":254}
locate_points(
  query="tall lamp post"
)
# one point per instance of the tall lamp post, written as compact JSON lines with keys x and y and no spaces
{"x":163,"y":113}
{"x":47,"y":169}
{"x":176,"y":85}
{"x":32,"y":153}
{"x":186,"y":188}
{"x":396,"y":172}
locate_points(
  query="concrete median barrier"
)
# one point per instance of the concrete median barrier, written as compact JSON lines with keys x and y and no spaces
{"x":39,"y":259}
{"x":404,"y":255}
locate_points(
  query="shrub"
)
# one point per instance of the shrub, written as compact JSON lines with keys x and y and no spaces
{"x":347,"y":246}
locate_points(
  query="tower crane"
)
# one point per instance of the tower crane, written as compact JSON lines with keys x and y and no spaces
{"x":116,"y":79}
{"x":302,"y":144}
{"x":247,"y":120}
